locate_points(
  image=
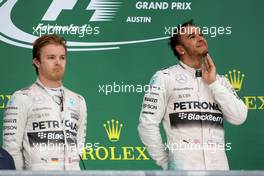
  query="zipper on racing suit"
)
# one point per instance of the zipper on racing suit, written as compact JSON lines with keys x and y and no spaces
{"x":198,"y":76}
{"x":62,"y":118}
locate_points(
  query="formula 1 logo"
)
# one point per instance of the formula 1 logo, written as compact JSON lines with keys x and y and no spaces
{"x":104,"y":10}
{"x":97,"y":11}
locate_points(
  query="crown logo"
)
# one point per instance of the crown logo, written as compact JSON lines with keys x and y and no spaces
{"x":236,"y":79}
{"x":113,"y":130}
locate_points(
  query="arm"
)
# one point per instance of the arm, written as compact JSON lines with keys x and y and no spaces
{"x":15,"y":117}
{"x":233,"y":108}
{"x":153,"y":109}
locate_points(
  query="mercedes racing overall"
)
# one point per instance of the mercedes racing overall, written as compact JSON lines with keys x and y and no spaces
{"x":192,"y":113}
{"x":45,"y":132}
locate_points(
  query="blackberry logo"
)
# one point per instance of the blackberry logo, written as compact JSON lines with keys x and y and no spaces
{"x":42,"y":135}
{"x":183,"y":115}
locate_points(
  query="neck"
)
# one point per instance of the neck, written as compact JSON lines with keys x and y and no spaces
{"x":194,"y":62}
{"x":49,"y":83}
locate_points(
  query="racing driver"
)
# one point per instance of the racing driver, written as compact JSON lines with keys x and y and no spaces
{"x":192,"y":101}
{"x":44,"y":125}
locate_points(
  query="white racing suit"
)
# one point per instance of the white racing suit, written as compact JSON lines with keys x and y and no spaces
{"x":42,"y":135}
{"x":192,"y":113}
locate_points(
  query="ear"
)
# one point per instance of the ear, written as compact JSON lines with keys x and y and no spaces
{"x":180,"y":49}
{"x":36,"y":62}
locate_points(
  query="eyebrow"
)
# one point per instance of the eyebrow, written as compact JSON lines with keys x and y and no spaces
{"x":190,"y":34}
{"x":55,"y":55}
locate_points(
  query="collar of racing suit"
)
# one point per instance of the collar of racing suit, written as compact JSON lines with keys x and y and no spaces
{"x":39,"y":83}
{"x":57,"y":94}
{"x":194,"y":72}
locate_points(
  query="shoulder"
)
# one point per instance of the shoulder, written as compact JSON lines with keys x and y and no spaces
{"x":167,"y":72}
{"x":21,"y":95}
{"x":74,"y":99}
{"x":19,"y":99}
{"x":164,"y":74}
{"x":71,"y":93}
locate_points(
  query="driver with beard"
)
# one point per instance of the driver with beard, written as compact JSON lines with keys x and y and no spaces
{"x":44,"y":125}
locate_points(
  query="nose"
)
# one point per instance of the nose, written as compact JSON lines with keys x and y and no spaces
{"x":57,"y":61}
{"x":200,"y":38}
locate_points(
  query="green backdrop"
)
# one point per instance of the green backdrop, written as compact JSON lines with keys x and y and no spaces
{"x":124,"y":42}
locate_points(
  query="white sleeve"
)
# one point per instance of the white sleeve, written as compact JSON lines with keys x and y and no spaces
{"x":233,"y":108}
{"x":15,"y":118}
{"x":152,"y":112}
{"x":81,"y":133}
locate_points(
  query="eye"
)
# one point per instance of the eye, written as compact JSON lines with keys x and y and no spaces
{"x":51,"y":57}
{"x":62,"y":57}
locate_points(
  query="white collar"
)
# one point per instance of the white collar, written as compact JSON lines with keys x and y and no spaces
{"x":191,"y":70}
{"x":48,"y":88}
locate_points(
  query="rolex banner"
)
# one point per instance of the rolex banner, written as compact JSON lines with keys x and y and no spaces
{"x":116,"y":46}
